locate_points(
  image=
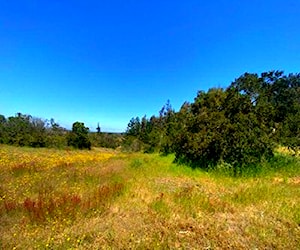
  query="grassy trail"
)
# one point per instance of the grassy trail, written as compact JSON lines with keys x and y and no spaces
{"x":104,"y":199}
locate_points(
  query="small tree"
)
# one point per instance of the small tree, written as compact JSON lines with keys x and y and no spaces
{"x":98,"y":129}
{"x":78,"y":138}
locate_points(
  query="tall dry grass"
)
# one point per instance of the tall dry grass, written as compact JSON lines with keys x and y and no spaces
{"x":103,"y":199}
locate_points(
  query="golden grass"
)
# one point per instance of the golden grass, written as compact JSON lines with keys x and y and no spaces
{"x":286,"y":151}
{"x":103,"y":199}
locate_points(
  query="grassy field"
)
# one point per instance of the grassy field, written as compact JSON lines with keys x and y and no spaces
{"x":104,"y":199}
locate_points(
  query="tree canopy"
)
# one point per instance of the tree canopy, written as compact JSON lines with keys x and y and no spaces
{"x":78,"y":138}
{"x":239,"y":125}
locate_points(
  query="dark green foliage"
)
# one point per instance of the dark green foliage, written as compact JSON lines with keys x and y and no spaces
{"x":2,"y":129}
{"x":78,"y":138}
{"x":288,"y":105}
{"x":223,"y":128}
{"x":133,"y":136}
{"x":56,"y":136}
{"x":134,"y":127}
{"x":238,"y":126}
{"x":277,"y":101}
{"x":25,"y":130}
{"x":290,"y":132}
{"x":152,"y":134}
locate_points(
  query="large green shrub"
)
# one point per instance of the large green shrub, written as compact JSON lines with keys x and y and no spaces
{"x":78,"y":138}
{"x":223,"y":127}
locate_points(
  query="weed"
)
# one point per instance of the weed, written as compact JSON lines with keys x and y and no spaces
{"x":52,"y":208}
{"x":136,"y":163}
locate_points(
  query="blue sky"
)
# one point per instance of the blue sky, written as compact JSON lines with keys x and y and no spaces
{"x":109,"y":61}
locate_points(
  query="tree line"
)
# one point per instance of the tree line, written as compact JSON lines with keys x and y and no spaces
{"x":240,"y":125}
{"x":26,"y":130}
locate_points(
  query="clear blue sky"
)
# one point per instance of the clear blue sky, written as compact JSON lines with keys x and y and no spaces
{"x":109,"y":61}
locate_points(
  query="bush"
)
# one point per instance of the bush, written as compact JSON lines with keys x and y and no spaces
{"x":78,"y":138}
{"x":223,"y":128}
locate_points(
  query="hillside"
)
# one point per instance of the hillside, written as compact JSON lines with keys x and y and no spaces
{"x":100,"y":199}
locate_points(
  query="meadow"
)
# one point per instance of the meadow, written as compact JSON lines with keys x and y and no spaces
{"x":106,"y":199}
